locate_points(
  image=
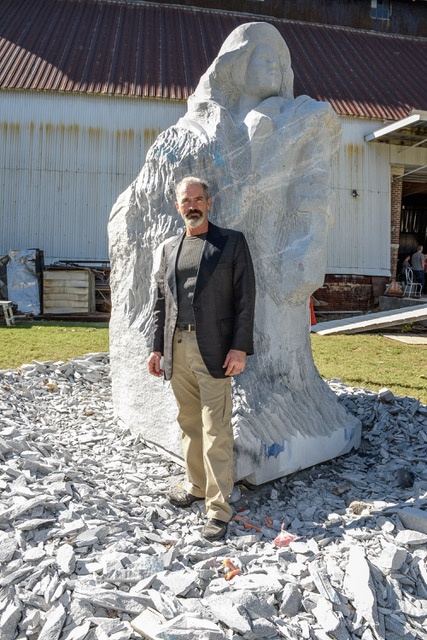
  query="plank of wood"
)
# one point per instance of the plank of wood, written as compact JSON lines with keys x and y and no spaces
{"x":371,"y":321}
{"x":60,"y":302}
{"x":57,"y":284}
{"x":66,"y":275}
{"x":64,"y":311}
{"x":68,"y":291}
{"x":65,"y":289}
{"x":50,"y":300}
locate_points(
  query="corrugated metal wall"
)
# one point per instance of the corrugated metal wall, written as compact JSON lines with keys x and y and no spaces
{"x":359,"y":241}
{"x":64,"y":160}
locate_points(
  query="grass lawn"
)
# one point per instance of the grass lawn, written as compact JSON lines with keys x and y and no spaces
{"x":27,"y":341}
{"x":368,"y":360}
{"x":363,"y":360}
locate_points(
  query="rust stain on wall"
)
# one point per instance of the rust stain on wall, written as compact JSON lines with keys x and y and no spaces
{"x":95,"y":133}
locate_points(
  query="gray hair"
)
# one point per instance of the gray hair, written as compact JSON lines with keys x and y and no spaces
{"x":192,"y":180}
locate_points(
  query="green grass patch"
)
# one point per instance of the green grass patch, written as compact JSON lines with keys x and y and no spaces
{"x":28,"y":341}
{"x":366,"y":360}
{"x":362,"y":360}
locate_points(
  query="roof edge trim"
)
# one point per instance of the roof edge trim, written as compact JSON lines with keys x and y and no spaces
{"x":395,"y":126}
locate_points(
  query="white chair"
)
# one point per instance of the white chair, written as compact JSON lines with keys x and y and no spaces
{"x":412,"y":288}
{"x":6,"y":306}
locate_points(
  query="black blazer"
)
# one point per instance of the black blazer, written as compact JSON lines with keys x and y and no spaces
{"x":223,"y":302}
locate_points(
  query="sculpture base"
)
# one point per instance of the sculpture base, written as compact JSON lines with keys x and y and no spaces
{"x":256,"y":460}
{"x":300,"y":452}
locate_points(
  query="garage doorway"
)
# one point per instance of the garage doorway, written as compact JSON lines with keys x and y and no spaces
{"x":413,"y":220}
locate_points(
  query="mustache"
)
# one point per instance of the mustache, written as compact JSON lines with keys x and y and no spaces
{"x":191,"y":211}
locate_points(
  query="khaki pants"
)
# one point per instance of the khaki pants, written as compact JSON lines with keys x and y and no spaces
{"x":204,"y":415}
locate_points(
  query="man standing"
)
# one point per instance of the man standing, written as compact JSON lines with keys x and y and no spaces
{"x":417,"y":262}
{"x":203,"y":327}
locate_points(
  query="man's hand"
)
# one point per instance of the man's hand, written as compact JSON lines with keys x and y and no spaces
{"x":153,"y":364}
{"x":234,"y":362}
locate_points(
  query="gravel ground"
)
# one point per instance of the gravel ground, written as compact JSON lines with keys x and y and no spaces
{"x":90,"y":548}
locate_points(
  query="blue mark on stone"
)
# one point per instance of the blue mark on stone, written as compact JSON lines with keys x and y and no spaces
{"x":348,"y":436}
{"x":165,"y":152}
{"x":274,"y":449}
{"x":235,"y":209}
{"x":218,"y":159}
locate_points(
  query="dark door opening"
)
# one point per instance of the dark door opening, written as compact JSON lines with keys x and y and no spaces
{"x":413,"y":221}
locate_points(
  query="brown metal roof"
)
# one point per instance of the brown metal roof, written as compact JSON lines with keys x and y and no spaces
{"x":159,"y":50}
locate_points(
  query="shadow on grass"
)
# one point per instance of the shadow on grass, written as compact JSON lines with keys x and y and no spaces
{"x":372,"y":384}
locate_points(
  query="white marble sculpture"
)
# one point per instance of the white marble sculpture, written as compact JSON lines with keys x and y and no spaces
{"x":267,"y":157}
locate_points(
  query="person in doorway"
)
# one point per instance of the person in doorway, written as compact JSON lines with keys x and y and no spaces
{"x":418,"y":263}
{"x":203,"y":327}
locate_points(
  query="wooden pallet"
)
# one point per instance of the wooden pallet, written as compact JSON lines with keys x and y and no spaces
{"x":68,"y":291}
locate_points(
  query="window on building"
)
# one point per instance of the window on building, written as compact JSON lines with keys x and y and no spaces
{"x":380,"y":9}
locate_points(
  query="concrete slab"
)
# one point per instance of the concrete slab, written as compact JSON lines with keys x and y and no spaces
{"x":388,"y":303}
{"x":406,"y":338}
{"x":371,"y":321}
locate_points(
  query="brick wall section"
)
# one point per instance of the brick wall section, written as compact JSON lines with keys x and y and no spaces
{"x":345,"y":293}
{"x":395,"y":212}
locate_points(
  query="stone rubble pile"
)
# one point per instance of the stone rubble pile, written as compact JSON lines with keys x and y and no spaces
{"x":90,"y":549}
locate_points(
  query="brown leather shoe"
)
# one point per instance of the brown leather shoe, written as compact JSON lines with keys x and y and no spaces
{"x":182,"y":498}
{"x":214,"y":529}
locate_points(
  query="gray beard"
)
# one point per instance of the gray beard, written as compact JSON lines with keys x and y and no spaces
{"x":195,"y":222}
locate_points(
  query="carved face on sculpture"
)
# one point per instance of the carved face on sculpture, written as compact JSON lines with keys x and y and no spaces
{"x":253,"y":59}
{"x":263,"y":74}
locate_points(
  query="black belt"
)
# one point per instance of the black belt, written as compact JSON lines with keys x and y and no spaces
{"x":186,"y":326}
